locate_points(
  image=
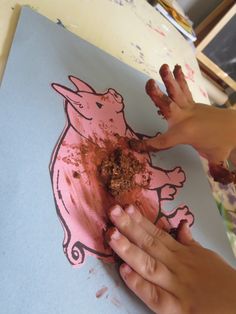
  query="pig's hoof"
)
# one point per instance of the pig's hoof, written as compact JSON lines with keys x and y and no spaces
{"x":168,"y":192}
{"x":180,"y":213}
{"x":178,"y":177}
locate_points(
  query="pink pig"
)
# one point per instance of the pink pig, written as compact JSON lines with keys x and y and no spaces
{"x":95,"y":126}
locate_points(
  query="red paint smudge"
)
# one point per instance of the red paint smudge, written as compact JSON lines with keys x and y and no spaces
{"x":68,"y":180}
{"x":101,"y":292}
{"x":155,"y":29}
{"x":190,"y":73}
{"x":203,"y":92}
{"x":159,"y":31}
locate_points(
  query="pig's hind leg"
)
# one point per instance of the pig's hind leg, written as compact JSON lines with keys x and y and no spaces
{"x":176,"y":215}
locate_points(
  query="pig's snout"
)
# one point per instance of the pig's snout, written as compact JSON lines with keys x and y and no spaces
{"x":117,"y":96}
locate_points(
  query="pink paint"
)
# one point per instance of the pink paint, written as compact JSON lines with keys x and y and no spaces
{"x":159,"y":31}
{"x":156,"y":29}
{"x":101,"y":292}
{"x":203,"y":92}
{"x":189,"y":75}
{"x":95,"y":126}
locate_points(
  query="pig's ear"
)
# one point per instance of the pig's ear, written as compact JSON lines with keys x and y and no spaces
{"x":68,"y":94}
{"x":81,"y":85}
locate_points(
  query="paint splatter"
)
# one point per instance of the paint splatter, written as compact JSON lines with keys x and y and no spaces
{"x":155,"y":29}
{"x":92,"y":271}
{"x":59,"y":22}
{"x":190,"y":73}
{"x":101,"y":292}
{"x":139,"y":58}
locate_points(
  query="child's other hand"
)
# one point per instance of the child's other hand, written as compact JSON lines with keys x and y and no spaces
{"x":169,"y":276}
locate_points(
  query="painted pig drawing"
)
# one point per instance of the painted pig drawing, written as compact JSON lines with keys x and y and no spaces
{"x":95,"y":126}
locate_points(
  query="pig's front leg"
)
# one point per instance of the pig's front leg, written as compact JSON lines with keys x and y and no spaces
{"x":159,"y":177}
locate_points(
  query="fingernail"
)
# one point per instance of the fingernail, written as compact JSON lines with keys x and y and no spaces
{"x":126,"y":269}
{"x":130,"y":210}
{"x":184,"y":223}
{"x":112,"y":234}
{"x":188,"y":230}
{"x":116,"y":211}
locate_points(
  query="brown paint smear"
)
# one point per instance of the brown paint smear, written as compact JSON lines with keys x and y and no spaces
{"x":161,"y":100}
{"x":101,"y":292}
{"x":140,"y":146}
{"x":118,"y":171}
{"x":222,"y":174}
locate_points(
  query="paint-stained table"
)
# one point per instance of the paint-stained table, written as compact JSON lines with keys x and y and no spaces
{"x":132,"y":31}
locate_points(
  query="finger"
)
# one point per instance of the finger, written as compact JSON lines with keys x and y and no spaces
{"x":140,"y":237}
{"x":173,"y":89}
{"x":153,"y":230}
{"x":145,"y":265}
{"x":184,"y":235}
{"x":174,"y":136}
{"x":160,"y":99}
{"x":156,"y":298}
{"x":180,"y":78}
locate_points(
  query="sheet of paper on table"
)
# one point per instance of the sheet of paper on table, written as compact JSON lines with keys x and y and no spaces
{"x":36,"y":277}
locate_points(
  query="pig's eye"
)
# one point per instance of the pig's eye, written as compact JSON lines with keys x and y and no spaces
{"x":99,"y":105}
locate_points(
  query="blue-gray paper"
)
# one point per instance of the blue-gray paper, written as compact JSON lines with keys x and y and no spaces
{"x":35,"y":276}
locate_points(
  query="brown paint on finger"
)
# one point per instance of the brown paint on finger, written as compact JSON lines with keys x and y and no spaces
{"x":222,"y":174}
{"x":161,"y":100}
{"x":141,"y":146}
{"x":164,"y":70}
{"x":179,"y":73}
{"x":169,"y":81}
{"x":108,"y":234}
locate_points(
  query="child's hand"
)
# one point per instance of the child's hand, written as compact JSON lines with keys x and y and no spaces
{"x":211,"y":131}
{"x":170,"y":277}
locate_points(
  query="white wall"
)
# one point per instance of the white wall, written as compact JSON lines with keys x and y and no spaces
{"x":197,"y":10}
